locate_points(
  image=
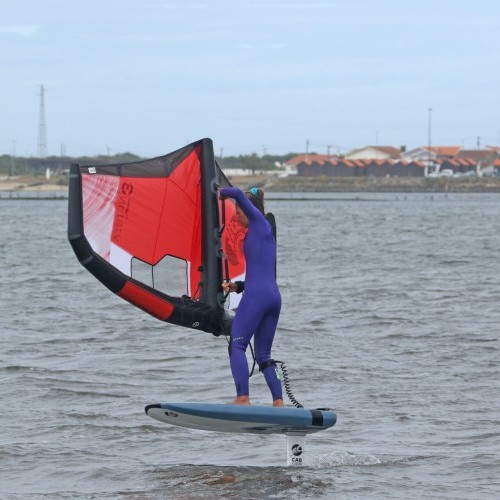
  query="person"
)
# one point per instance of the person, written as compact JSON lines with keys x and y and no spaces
{"x":260,"y":306}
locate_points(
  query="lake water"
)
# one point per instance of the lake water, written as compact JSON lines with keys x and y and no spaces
{"x":391,"y":315}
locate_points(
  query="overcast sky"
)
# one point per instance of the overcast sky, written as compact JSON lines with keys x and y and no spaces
{"x":263,"y":76}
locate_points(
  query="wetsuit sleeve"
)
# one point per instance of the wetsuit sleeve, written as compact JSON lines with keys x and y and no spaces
{"x":245,"y":204}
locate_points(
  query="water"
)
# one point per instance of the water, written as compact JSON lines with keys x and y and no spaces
{"x":390,"y":315}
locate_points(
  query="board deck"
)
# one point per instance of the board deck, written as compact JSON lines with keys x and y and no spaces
{"x":252,"y":419}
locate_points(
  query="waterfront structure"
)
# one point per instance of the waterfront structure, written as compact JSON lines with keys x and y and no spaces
{"x":433,"y":153}
{"x":375,"y":153}
{"x":443,"y":160}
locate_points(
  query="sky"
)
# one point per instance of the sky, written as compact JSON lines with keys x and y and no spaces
{"x":256,"y":76}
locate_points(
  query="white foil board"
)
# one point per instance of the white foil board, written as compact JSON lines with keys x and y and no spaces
{"x":252,"y":419}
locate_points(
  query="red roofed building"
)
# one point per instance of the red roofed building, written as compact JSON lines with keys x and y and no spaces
{"x":291,"y":164}
{"x":483,"y":157}
{"x":458,"y":165}
{"x":332,"y":168}
{"x":407,"y":169}
{"x":418,"y":162}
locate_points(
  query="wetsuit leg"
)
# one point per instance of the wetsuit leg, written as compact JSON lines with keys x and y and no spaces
{"x":245,"y":324}
{"x":263,"y":342}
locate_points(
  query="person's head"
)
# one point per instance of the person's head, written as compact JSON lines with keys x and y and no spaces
{"x":256,"y":197}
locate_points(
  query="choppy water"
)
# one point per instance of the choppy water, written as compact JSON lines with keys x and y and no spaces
{"x":391,"y":314}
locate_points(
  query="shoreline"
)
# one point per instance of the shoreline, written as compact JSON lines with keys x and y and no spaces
{"x":296,"y":184}
{"x":324,"y":184}
{"x":388,"y":184}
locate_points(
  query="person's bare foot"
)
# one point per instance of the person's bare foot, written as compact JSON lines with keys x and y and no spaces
{"x":278,"y":403}
{"x":241,"y":400}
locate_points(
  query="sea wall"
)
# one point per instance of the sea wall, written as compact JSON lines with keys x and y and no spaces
{"x":373,"y":184}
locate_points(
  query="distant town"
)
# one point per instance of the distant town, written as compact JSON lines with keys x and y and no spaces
{"x":387,"y":161}
{"x":368,"y":161}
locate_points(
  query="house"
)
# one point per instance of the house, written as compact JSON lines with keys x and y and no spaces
{"x":482,"y":157}
{"x":378,"y":168}
{"x":375,"y":153}
{"x":291,"y":164}
{"x":458,"y":165}
{"x":433,"y":153}
{"x":360,"y":168}
{"x":407,"y":169}
{"x":418,"y":162}
{"x":332,"y":168}
{"x":310,"y":168}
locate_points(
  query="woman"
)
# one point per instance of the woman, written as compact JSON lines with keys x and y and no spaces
{"x":260,"y":306}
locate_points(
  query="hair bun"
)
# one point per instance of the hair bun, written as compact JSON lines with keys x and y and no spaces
{"x":257,"y":198}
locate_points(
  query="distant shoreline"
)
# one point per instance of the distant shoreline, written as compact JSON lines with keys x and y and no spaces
{"x":31,"y":185}
{"x":295,"y":184}
{"x":324,"y":184}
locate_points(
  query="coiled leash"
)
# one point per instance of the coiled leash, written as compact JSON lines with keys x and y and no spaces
{"x":263,"y":366}
{"x":286,"y":379}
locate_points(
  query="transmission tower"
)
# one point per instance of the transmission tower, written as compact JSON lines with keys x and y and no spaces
{"x":42,"y":131}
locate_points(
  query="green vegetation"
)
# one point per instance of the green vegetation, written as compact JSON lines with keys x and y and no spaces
{"x":37,"y":166}
{"x":254,"y":162}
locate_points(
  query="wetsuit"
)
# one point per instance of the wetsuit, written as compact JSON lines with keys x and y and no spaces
{"x":260,"y":306}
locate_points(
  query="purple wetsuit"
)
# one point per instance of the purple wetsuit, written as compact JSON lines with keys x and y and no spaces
{"x":260,"y":306}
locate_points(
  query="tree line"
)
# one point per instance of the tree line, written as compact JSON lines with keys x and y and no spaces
{"x":10,"y":165}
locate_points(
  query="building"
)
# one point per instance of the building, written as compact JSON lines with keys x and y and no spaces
{"x":433,"y":153}
{"x":375,"y":153}
{"x":292,"y":163}
{"x":418,"y":162}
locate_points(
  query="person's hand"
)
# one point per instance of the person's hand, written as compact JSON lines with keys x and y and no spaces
{"x":229,"y":286}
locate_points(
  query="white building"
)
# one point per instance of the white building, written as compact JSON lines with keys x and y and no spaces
{"x":374,"y":153}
